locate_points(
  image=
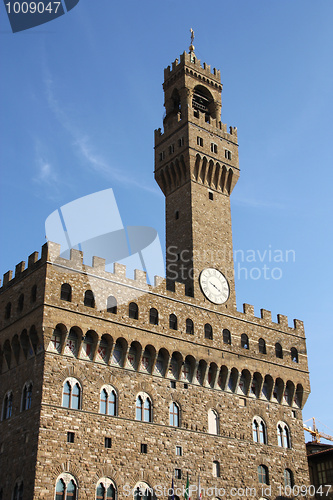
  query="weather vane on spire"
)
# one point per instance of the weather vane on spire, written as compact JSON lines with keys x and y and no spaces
{"x":192,"y":40}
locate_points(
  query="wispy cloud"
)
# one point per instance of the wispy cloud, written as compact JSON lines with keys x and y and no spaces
{"x":256,"y":203}
{"x":83,"y":146}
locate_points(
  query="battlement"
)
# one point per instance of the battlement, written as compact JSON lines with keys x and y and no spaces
{"x":51,"y":254}
{"x":212,"y":125}
{"x":192,"y":62}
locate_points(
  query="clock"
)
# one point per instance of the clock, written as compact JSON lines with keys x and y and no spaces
{"x":214,"y":285}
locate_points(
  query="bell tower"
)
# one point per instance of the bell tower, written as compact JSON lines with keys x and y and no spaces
{"x":196,"y":167}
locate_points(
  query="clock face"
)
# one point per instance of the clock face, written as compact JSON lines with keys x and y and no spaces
{"x":214,"y":285}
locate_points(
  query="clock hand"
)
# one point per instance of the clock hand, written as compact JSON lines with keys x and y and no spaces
{"x":215,"y":287}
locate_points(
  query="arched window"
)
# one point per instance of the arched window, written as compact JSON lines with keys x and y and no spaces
{"x":8,"y":310}
{"x":111,"y":304}
{"x":18,"y":490}
{"x":259,"y":430}
{"x":20,"y":303}
{"x":244,"y":341}
{"x":26,"y":396}
{"x":153,"y":316}
{"x":143,"y":408}
{"x":216,"y":469}
{"x":262,"y":346}
{"x":213,"y":422}
{"x":208,"y":331}
{"x":89,"y":299}
{"x":288,"y":478}
{"x":33,"y":296}
{"x":173,"y":322}
{"x":108,"y":401}
{"x":66,"y":487}
{"x":142,"y":491}
{"x":7,"y":406}
{"x":7,"y":351}
{"x":66,"y":292}
{"x":133,"y":311}
{"x":283,"y":435}
{"x":294,"y":354}
{"x":174,"y":415}
{"x":278,"y":350}
{"x":88,"y":346}
{"x":103,"y":350}
{"x":189,"y":326}
{"x":71,"y":394}
{"x":263,"y":474}
{"x":72,"y":344}
{"x":226,"y":336}
{"x":105,"y":489}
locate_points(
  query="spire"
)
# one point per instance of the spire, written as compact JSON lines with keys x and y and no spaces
{"x":191,"y":47}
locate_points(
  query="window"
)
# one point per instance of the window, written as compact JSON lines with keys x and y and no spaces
{"x":178,"y":474}
{"x":107,"y":442}
{"x":278,"y":350}
{"x":227,"y":154}
{"x":133,"y":311}
{"x":34,"y":293}
{"x":88,"y":349}
{"x":171,"y":149}
{"x":18,"y":491}
{"x":213,"y":147}
{"x":143,"y":408}
{"x":89,"y":299}
{"x":143,"y":448}
{"x":108,"y":401}
{"x":20,"y":303}
{"x":288,"y":478}
{"x":244,"y":341}
{"x":8,"y":310}
{"x":153,"y":316}
{"x":105,"y":490}
{"x":70,"y":437}
{"x":189,"y":326}
{"x":66,"y":487}
{"x":216,"y":469}
{"x":173,"y":384}
{"x":199,"y":141}
{"x":211,"y":195}
{"x":226,"y":337}
{"x":263,"y":474}
{"x":26,"y":397}
{"x":325,"y":472}
{"x":262,"y":346}
{"x":162,"y":155}
{"x":208,"y":331}
{"x":213,"y":422}
{"x":142,"y":491}
{"x":179,"y":451}
{"x":294,"y":355}
{"x":283,"y":435}
{"x":177,"y":214}
{"x":111,"y":305}
{"x":173,"y":322}
{"x":66,"y":292}
{"x":181,"y":142}
{"x":259,"y":430}
{"x":7,"y":407}
{"x":174,"y":415}
{"x":71,"y":395}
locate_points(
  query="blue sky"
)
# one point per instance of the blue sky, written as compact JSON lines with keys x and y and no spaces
{"x":82,"y":95}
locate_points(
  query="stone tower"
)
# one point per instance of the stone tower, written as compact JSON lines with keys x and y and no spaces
{"x":196,"y":167}
{"x":109,"y":384}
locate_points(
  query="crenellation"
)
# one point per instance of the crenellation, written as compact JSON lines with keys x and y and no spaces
{"x":140,"y":277}
{"x":282,"y":320}
{"x":248,"y":309}
{"x":19,"y":268}
{"x":32,"y":259}
{"x":98,"y":263}
{"x":266,"y":315}
{"x":7,"y":277}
